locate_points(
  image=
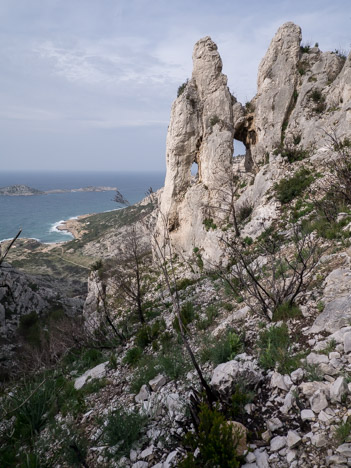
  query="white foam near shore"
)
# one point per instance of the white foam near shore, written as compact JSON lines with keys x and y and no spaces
{"x":54,"y":227}
{"x":65,"y":232}
{"x":11,"y":238}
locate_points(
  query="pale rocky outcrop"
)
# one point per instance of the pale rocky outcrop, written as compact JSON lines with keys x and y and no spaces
{"x":201,"y":130}
{"x":276,"y":82}
{"x":301,"y":97}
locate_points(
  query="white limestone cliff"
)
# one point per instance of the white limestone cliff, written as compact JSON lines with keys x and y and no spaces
{"x":302,"y":95}
{"x":201,"y":131}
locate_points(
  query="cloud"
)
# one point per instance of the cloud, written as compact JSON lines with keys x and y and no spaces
{"x":112,"y":63}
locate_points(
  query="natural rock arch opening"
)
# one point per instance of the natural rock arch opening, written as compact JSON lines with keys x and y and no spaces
{"x":194,"y":170}
{"x":239,"y":148}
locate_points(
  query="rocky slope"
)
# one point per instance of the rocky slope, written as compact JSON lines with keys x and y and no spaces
{"x":258,"y":279}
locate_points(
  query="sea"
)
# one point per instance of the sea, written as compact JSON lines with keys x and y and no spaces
{"x":39,"y":215}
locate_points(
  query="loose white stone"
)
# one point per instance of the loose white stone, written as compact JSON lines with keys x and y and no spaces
{"x":290,"y":456}
{"x":297,"y":375}
{"x":288,"y":403}
{"x":277,"y":443}
{"x":338,"y":389}
{"x":261,"y":458}
{"x":147,"y":452}
{"x":96,"y":372}
{"x":133,"y":455}
{"x":309,"y":388}
{"x":158,"y":382}
{"x":143,"y":394}
{"x":345,"y":450}
{"x":250,"y":457}
{"x":319,"y":440}
{"x":324,"y":417}
{"x":288,"y":382}
{"x":274,"y":424}
{"x":293,"y":439}
{"x":169,"y":460}
{"x":347,"y":342}
{"x":277,"y":381}
{"x":314,"y":358}
{"x":140,"y":464}
{"x":267,"y":435}
{"x":318,"y":401}
{"x":307,"y":415}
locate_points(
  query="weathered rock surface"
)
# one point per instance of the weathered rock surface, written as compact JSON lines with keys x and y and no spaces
{"x":201,"y":131}
{"x":95,"y":373}
{"x":337,"y":299}
{"x":276,"y":83}
{"x":227,"y":374}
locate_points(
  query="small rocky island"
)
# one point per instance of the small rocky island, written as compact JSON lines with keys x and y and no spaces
{"x":24,"y":190}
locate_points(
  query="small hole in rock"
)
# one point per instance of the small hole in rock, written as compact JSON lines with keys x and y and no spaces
{"x":194,"y":169}
{"x":239,"y":148}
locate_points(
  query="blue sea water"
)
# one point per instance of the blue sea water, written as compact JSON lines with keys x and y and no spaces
{"x":39,"y":215}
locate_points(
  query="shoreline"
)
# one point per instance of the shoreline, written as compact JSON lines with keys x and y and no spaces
{"x":72,"y":226}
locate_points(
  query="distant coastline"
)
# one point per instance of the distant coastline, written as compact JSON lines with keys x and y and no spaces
{"x":25,"y":191}
{"x":73,"y":226}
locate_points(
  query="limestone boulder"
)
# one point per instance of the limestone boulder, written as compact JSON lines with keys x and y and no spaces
{"x":226,"y":375}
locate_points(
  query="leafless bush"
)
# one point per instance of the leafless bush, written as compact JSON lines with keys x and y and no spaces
{"x":164,"y":258}
{"x":271,"y":272}
{"x":129,"y":275}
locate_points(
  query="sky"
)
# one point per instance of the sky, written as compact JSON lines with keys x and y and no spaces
{"x":89,"y":84}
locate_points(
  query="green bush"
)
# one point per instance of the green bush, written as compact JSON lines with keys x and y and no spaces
{"x":216,"y":440}
{"x":183,"y":284}
{"x":74,"y":446}
{"x":30,"y":329}
{"x":82,"y":359}
{"x":343,"y":432}
{"x":96,"y":266}
{"x":211,"y":313}
{"x":241,"y":396}
{"x":274,"y":348}
{"x":289,"y":188}
{"x":187,"y":315}
{"x":244,"y":212}
{"x":291,"y":153}
{"x":318,"y":98}
{"x":123,"y":430}
{"x":316,"y":95}
{"x":222,"y":349}
{"x":249,"y":106}
{"x":133,"y":355}
{"x":313,"y":373}
{"x":174,"y":363}
{"x":69,"y":400}
{"x":286,"y":311}
{"x":181,"y":88}
{"x":147,"y":369}
{"x":327,"y":229}
{"x":209,"y":224}
{"x":148,"y":333}
{"x":305,"y":48}
{"x":31,"y":405}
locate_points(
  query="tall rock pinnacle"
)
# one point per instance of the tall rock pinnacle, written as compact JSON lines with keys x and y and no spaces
{"x":201,"y":130}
